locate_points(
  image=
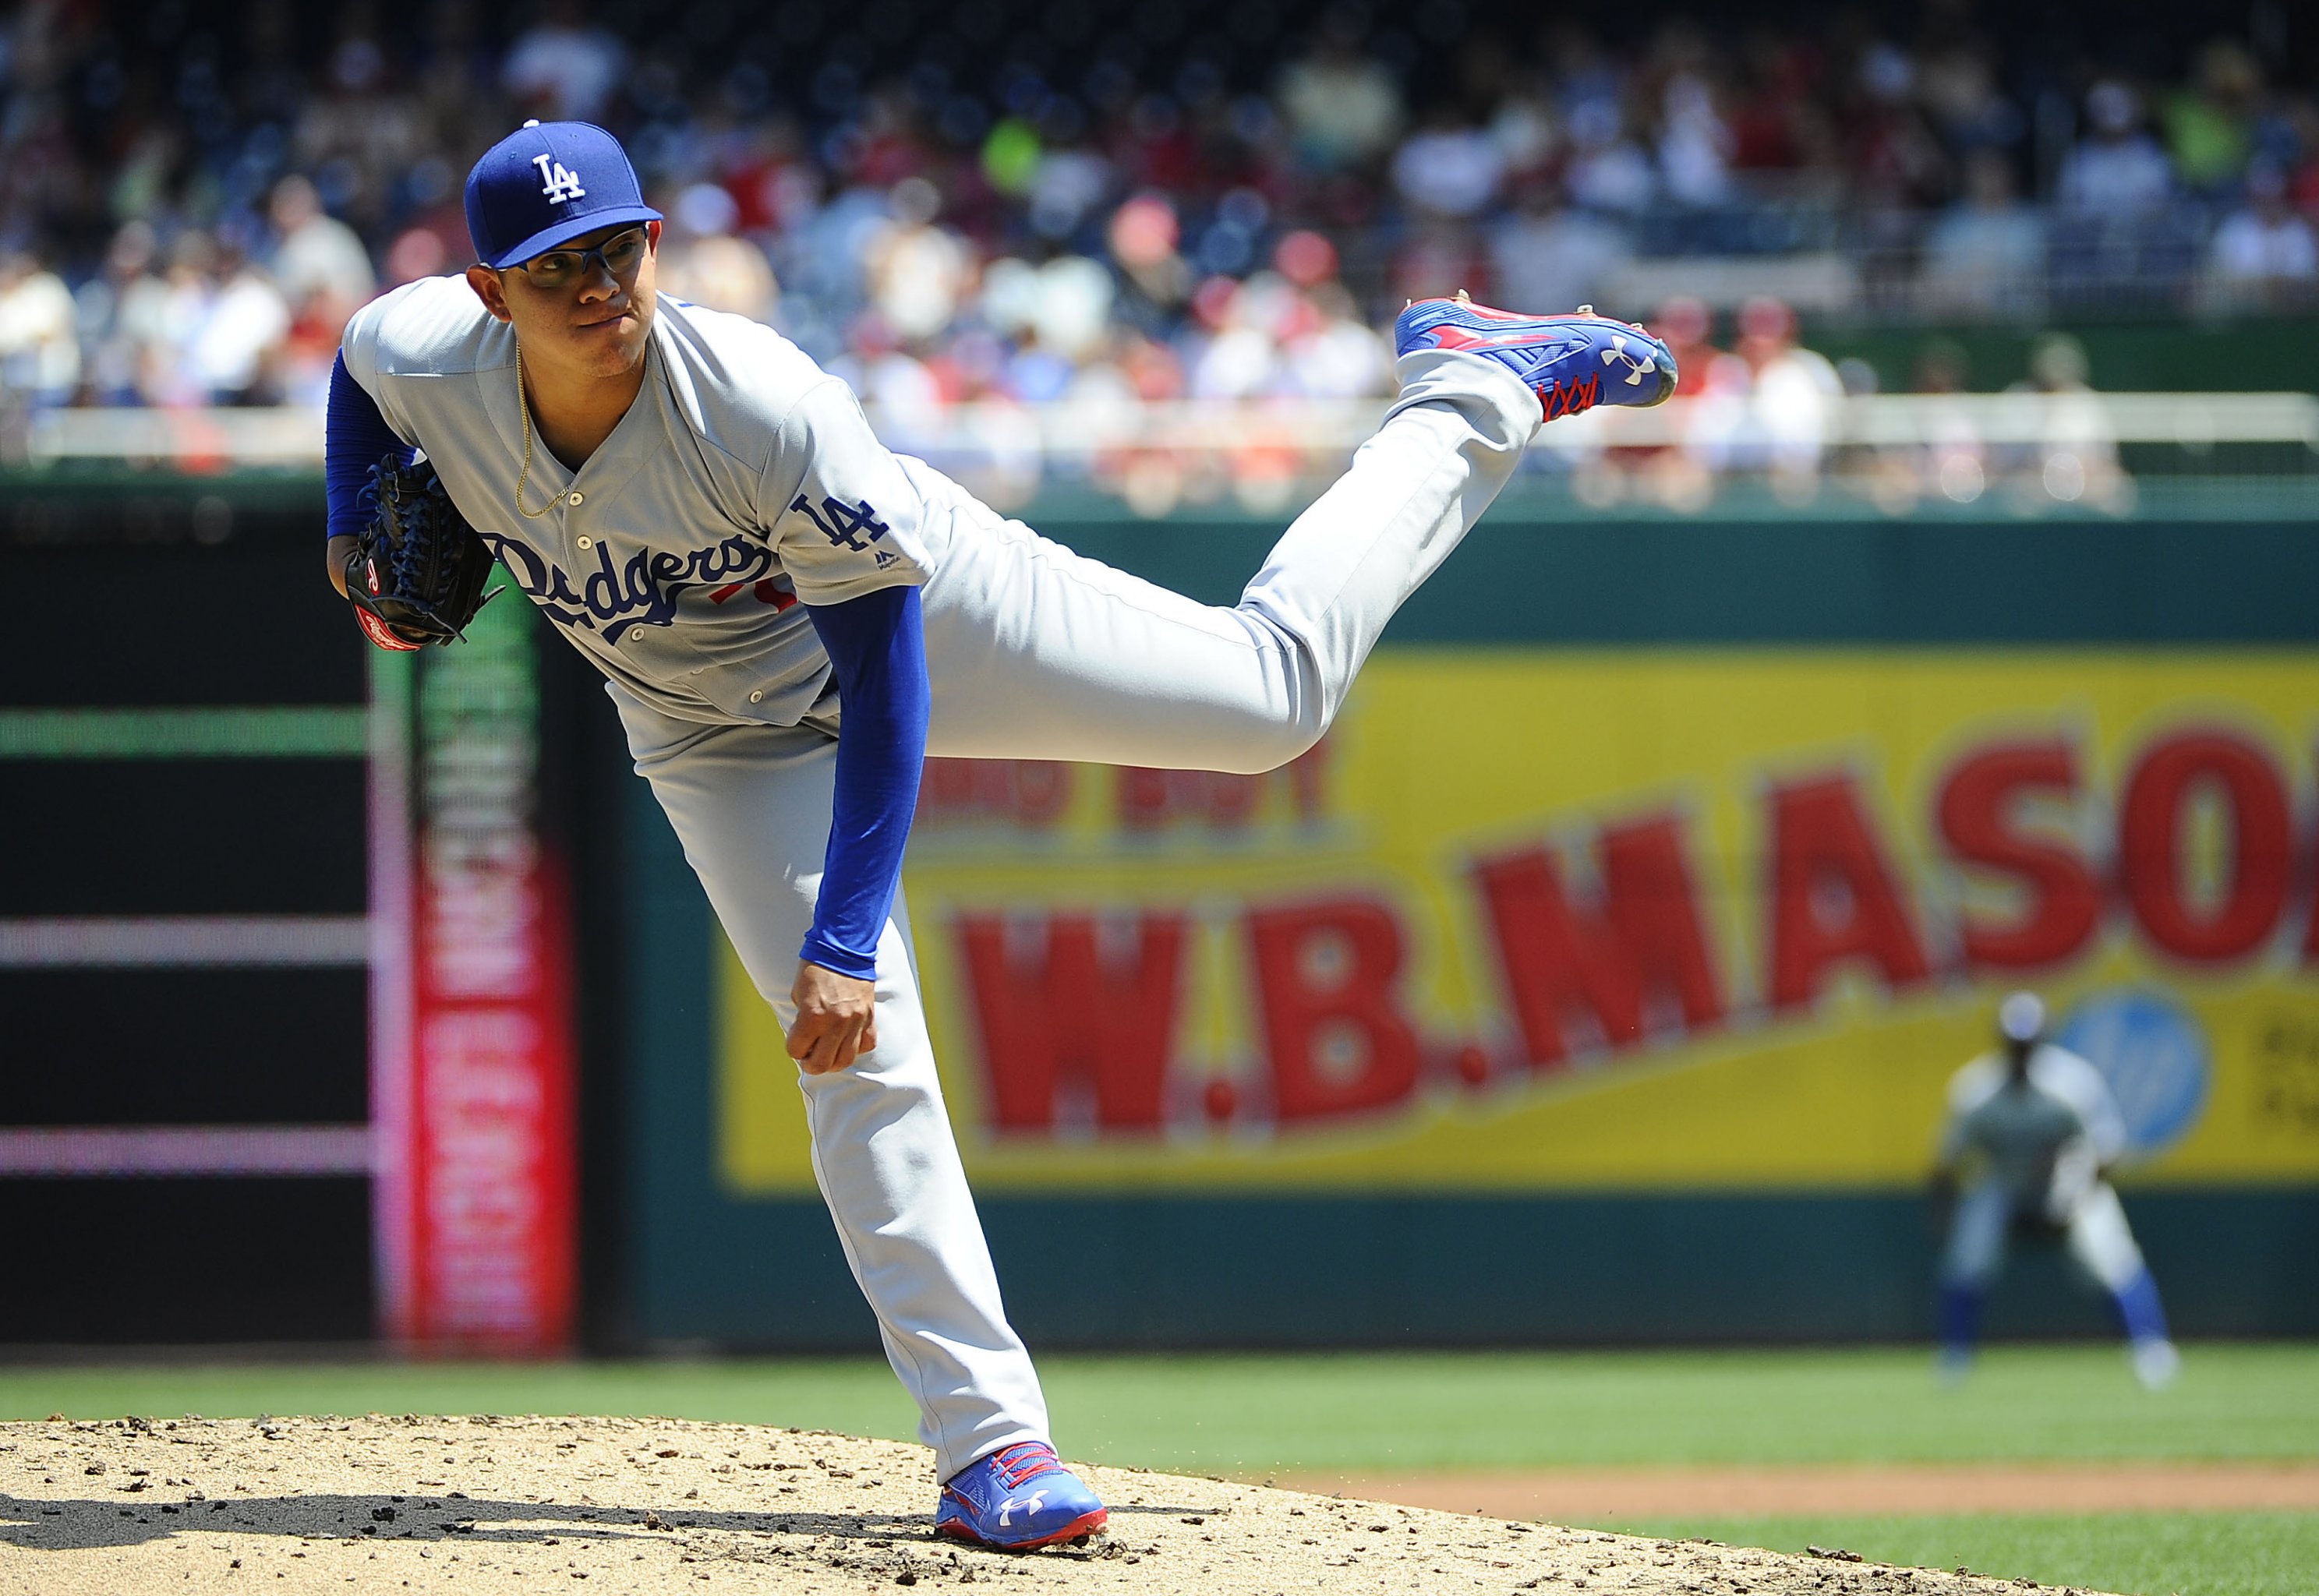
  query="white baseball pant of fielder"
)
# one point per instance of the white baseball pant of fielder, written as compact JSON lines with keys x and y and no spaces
{"x":2094,"y":1229}
{"x":1037,"y":653}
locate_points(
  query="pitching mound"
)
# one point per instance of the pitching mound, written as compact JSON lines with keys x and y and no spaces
{"x":491,"y":1504}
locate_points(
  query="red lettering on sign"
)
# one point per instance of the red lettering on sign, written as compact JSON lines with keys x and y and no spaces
{"x":1833,"y":898}
{"x":1031,"y":793}
{"x":1308,"y":780}
{"x":1149,"y":801}
{"x":2248,"y":902}
{"x":1557,"y":958}
{"x":2063,"y":901}
{"x":1326,"y":977}
{"x":1071,"y":1016}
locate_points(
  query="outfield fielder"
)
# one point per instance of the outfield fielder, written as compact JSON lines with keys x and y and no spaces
{"x":2033,"y":1130}
{"x":707,"y":516}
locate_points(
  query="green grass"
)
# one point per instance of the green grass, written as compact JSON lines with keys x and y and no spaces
{"x":1370,"y":1413}
{"x":2271,"y":1554}
{"x":1248,"y":1415}
{"x":1404,"y":1414}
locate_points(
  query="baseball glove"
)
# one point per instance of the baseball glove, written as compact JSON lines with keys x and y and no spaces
{"x":416,"y":575}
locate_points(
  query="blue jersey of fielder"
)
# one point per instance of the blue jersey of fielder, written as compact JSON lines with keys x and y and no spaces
{"x":743,"y":481}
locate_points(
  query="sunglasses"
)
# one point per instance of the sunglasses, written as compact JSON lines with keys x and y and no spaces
{"x":560,"y":268}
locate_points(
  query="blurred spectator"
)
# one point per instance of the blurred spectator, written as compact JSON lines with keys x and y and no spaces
{"x":40,"y":342}
{"x":1777,"y":123}
{"x":1524,"y":132}
{"x":915,"y":271}
{"x":2209,"y":126}
{"x":1073,"y":306}
{"x":1143,"y":235}
{"x":1795,"y":393}
{"x":1440,"y":256}
{"x":1957,"y":85}
{"x":1550,"y":258}
{"x":702,"y":262}
{"x":1071,"y":182}
{"x":2117,"y":169}
{"x":2076,"y":460}
{"x":1343,"y":108}
{"x":1336,"y":355}
{"x":2264,"y":255}
{"x":563,"y":67}
{"x":1241,"y":359}
{"x":1695,"y":144}
{"x":234,"y":353}
{"x":318,"y":258}
{"x":1608,"y":170}
{"x":360,"y":137}
{"x":1687,"y":326}
{"x":1448,"y":167}
{"x":2298,"y":126}
{"x":1952,"y":462}
{"x":1988,"y":253}
{"x":1061,"y":311}
{"x":123,"y":313}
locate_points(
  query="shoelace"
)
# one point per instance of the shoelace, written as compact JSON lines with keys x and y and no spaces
{"x":1023,"y":1461}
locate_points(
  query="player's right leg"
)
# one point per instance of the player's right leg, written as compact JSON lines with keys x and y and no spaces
{"x":1969,"y":1264}
{"x":751,"y":805}
{"x":1039,"y":652}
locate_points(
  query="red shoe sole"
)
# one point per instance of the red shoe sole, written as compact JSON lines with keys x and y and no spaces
{"x":1085,"y":1524}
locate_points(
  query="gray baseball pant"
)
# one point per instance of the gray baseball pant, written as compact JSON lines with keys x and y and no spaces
{"x":1038,"y":653}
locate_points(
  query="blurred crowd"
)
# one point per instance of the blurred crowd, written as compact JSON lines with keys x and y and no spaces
{"x":1030,"y":201}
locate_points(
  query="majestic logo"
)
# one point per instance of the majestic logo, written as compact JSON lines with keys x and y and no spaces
{"x":845,"y":521}
{"x":557,"y":181}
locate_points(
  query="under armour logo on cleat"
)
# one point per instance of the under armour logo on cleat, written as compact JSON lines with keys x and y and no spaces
{"x":1635,"y":365}
{"x":557,"y":181}
{"x":1037,"y":1500}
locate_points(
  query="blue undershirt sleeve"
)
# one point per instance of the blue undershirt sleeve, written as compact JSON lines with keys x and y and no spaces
{"x":877,"y":644}
{"x":354,"y":437}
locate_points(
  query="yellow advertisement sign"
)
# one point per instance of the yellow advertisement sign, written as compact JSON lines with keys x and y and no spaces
{"x":1570,"y":921}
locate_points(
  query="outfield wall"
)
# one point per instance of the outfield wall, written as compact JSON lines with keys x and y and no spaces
{"x":1595,"y":981}
{"x":1600,"y":976}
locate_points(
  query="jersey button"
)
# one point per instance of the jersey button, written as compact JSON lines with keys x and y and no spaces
{"x":576,"y":498}
{"x":758,"y":696}
{"x":587,"y":542}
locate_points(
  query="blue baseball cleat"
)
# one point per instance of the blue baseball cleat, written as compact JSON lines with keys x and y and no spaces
{"x":1017,"y":1498}
{"x":1571,"y":363}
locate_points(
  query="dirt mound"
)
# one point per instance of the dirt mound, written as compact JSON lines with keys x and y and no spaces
{"x":485,"y":1504}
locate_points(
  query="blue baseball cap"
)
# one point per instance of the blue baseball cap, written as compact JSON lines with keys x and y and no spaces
{"x":544,"y":184}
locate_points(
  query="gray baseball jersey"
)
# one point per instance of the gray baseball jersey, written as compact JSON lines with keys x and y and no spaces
{"x":2054,"y":1130}
{"x":742,"y":479}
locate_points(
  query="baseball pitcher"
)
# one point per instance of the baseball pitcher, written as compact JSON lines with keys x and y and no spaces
{"x":790,"y":617}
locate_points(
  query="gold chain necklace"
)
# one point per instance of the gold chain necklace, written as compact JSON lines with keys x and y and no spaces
{"x":524,"y":405}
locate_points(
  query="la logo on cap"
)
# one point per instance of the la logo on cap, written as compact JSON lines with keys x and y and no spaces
{"x":557,"y":181}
